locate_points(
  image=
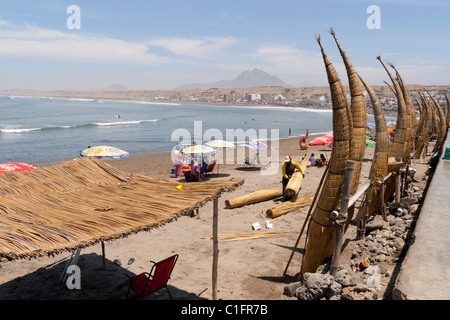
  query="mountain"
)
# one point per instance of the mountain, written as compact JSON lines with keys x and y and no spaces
{"x":115,"y":87}
{"x":247,"y":79}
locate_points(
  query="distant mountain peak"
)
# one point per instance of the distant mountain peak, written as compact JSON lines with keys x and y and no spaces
{"x":246,"y":79}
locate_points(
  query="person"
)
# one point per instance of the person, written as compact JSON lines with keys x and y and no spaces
{"x":312,"y":159}
{"x":302,"y":143}
{"x":177,"y":159}
{"x":287,"y":169}
{"x":189,"y":174}
{"x":322,"y":161}
{"x":307,"y":133}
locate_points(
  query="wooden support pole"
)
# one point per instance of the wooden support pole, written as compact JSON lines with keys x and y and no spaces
{"x":103,"y":255}
{"x":341,"y":217}
{"x":383,"y":202}
{"x":398,"y":183}
{"x":215,"y":248}
{"x":361,"y":232}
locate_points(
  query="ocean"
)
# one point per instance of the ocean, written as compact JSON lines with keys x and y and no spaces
{"x":45,"y":129}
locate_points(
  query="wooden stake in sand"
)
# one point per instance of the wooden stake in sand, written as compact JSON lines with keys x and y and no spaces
{"x":254,"y":197}
{"x":215,"y":249}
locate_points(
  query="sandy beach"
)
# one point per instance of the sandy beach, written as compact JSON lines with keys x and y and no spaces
{"x":247,"y":269}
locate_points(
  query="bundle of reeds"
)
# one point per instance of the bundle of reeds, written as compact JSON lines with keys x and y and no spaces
{"x":295,"y":181}
{"x":423,"y":135}
{"x":251,"y":236}
{"x":359,"y":117}
{"x":254,"y":197}
{"x":379,"y":168}
{"x":400,"y":144}
{"x":320,"y":230}
{"x":411,"y":111}
{"x":448,"y":110}
{"x":79,"y":203}
{"x":441,"y":124}
{"x":289,"y":206}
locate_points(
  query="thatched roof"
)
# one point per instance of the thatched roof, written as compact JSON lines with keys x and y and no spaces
{"x":82,"y":202}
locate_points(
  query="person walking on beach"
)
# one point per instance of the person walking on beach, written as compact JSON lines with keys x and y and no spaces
{"x":177,"y":159}
{"x":287,"y":169}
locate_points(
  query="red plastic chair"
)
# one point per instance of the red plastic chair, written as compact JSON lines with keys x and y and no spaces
{"x":211,"y":167}
{"x":147,"y":283}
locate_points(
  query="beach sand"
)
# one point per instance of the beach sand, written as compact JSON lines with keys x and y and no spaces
{"x":247,"y":269}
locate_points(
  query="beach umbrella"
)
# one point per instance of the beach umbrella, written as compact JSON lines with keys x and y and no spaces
{"x":370,"y":125}
{"x":199,"y":149}
{"x":104,"y":151}
{"x":391,"y":124}
{"x":220,"y":144}
{"x":370,"y":143}
{"x":255,"y":145}
{"x":15,"y":166}
{"x":321,"y":140}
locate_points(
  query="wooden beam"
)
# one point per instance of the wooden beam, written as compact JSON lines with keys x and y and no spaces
{"x":215,"y":248}
{"x":338,"y":222}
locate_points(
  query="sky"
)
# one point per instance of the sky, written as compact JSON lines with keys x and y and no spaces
{"x":155,"y":45}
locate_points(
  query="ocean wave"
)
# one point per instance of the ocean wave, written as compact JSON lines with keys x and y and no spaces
{"x":19,"y":130}
{"x":116,"y":123}
{"x":119,"y":123}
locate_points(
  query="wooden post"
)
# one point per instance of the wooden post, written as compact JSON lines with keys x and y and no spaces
{"x":215,"y":249}
{"x":383,"y":203}
{"x":340,"y":219}
{"x":361,"y":231}
{"x":103,"y":255}
{"x":398,"y":183}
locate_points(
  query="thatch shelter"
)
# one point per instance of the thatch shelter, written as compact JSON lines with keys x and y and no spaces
{"x":85,"y":201}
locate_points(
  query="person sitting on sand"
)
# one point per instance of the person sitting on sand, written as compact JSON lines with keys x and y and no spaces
{"x":312,"y":160}
{"x":322,"y":161}
{"x":287,"y":169}
{"x":189,"y":174}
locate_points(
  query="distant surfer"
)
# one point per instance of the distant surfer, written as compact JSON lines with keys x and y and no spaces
{"x":117,"y":116}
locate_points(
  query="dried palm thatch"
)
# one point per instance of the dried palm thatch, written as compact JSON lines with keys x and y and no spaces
{"x":359,"y":116}
{"x":254,"y":197}
{"x":442,"y":124}
{"x":379,"y":168}
{"x":82,"y":202}
{"x":295,"y":182}
{"x":411,"y":111}
{"x":400,"y":145}
{"x":289,"y":206}
{"x":320,"y":230}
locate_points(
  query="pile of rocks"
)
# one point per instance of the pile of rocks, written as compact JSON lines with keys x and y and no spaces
{"x":372,"y":261}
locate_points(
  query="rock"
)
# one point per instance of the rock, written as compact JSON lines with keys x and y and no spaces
{"x":363,"y":265}
{"x":374,"y":225}
{"x":346,"y":296}
{"x":361,"y":287}
{"x":333,"y":290}
{"x":314,"y":286}
{"x":291,"y":288}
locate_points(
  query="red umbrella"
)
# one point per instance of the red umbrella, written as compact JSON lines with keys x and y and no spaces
{"x":15,"y":166}
{"x":322,"y":140}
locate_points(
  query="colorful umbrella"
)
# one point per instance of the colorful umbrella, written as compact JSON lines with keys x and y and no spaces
{"x":370,"y":125}
{"x":199,"y":149}
{"x":15,"y":166}
{"x":255,"y":145}
{"x":220,"y":144}
{"x":321,"y":140}
{"x":104,"y":151}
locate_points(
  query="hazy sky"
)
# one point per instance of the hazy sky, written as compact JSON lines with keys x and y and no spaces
{"x":152,"y":44}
